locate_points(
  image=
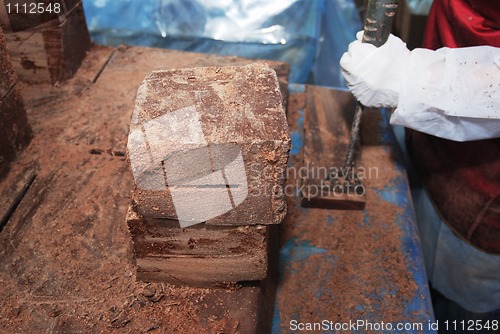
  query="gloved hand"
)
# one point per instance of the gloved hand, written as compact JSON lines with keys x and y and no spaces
{"x":374,"y":75}
{"x":448,"y":93}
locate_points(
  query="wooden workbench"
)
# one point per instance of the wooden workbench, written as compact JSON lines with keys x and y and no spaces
{"x":65,"y":251}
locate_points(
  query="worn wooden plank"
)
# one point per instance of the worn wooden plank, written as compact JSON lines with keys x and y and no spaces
{"x":327,"y":128}
{"x":46,"y":48}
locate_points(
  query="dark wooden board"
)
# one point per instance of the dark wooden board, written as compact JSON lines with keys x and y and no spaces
{"x":327,"y":129}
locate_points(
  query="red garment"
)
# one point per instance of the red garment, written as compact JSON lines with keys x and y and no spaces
{"x":460,"y":23}
{"x":463,"y":179}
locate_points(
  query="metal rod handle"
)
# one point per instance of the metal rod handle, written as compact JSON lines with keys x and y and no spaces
{"x":378,"y":24}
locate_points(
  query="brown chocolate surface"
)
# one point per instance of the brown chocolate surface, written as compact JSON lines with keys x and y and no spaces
{"x":186,"y":118}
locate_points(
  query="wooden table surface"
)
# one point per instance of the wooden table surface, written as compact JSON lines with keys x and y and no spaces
{"x":65,"y":251}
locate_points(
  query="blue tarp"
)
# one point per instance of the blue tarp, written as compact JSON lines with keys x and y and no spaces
{"x":311,"y":35}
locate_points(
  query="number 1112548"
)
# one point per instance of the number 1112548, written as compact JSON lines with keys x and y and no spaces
{"x":33,"y":8}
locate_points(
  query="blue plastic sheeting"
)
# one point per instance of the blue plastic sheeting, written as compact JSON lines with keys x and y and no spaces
{"x":310,"y":35}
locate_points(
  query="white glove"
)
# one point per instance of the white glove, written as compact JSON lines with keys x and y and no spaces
{"x":374,"y":75}
{"x":449,"y":93}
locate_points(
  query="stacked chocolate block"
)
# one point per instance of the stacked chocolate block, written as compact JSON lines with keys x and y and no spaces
{"x":47,"y":39}
{"x":208,"y":149}
{"x":14,"y":127}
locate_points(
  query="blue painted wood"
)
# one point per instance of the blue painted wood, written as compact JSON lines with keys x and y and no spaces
{"x":303,"y":252}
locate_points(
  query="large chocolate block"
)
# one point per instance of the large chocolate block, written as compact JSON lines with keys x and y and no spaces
{"x":200,"y":255}
{"x":46,"y":47}
{"x":210,"y":145}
